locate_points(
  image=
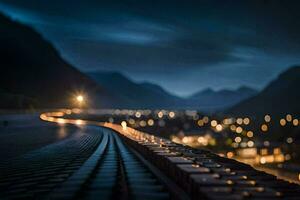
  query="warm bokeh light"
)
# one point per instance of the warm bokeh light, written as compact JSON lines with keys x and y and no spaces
{"x":238,"y":139}
{"x":232,"y":127}
{"x":239,"y":121}
{"x":266,"y":143}
{"x":138,"y":114}
{"x":250,"y":143}
{"x":150,"y":122}
{"x":171,"y":114}
{"x":160,"y":114}
{"x":200,"y":122}
{"x":205,"y":119}
{"x":263,"y":160}
{"x":267,"y":118}
{"x":79,"y":98}
{"x":264,"y":128}
{"x":295,"y":122}
{"x":250,"y":134}
{"x":289,"y":140}
{"x":229,"y":154}
{"x":213,"y":123}
{"x":131,"y":121}
{"x":124,"y":125}
{"x":239,"y":129}
{"x":219,"y":127}
{"x":143,"y":123}
{"x":246,"y":121}
{"x":282,"y":122}
{"x":289,"y":117}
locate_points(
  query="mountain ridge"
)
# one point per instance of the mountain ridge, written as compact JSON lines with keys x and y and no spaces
{"x":279,"y":97}
{"x":157,"y":97}
{"x":32,"y":68}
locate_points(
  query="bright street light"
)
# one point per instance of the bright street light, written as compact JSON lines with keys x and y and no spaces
{"x":79,"y":98}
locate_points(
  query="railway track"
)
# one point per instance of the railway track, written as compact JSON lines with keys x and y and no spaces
{"x":92,"y":164}
{"x":115,"y":171}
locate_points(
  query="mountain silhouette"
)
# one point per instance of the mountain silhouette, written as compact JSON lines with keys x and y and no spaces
{"x":136,"y":95}
{"x":209,"y":99}
{"x":148,"y":95}
{"x":280,"y":97}
{"x":33,"y":74}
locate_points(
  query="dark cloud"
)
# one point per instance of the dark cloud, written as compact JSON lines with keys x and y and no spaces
{"x":199,"y":43}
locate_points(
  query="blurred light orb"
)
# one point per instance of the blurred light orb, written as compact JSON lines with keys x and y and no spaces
{"x":266,"y":143}
{"x":200,"y":122}
{"x":289,"y":117}
{"x":79,"y":98}
{"x":289,"y":140}
{"x":124,"y":125}
{"x":238,"y":139}
{"x":171,"y":114}
{"x":246,"y":121}
{"x":213,"y":123}
{"x":219,"y":127}
{"x":250,"y":134}
{"x":295,"y":122}
{"x":282,"y":122}
{"x":229,"y":154}
{"x":239,"y":129}
{"x":264,"y":128}
{"x":250,"y":143}
{"x":267,"y":118}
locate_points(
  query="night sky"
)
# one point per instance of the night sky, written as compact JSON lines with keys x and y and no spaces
{"x":184,"y":46}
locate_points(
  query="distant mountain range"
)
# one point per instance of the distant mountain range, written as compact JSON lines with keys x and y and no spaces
{"x":136,"y":95}
{"x":34,"y":75}
{"x":280,"y":97}
{"x":217,"y":100}
{"x":148,"y":95}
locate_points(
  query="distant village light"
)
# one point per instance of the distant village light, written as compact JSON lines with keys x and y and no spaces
{"x":171,"y":114}
{"x":238,"y":139}
{"x":213,"y":123}
{"x":219,"y":127}
{"x":267,"y":118}
{"x":295,"y":122}
{"x":239,"y":121}
{"x":200,"y":122}
{"x":264,"y":127}
{"x":250,"y":134}
{"x":246,"y":121}
{"x":282,"y":122}
{"x":289,"y":117}
{"x":239,"y":129}
{"x":289,"y":140}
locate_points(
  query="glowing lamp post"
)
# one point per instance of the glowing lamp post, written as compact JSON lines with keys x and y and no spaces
{"x":80,"y":100}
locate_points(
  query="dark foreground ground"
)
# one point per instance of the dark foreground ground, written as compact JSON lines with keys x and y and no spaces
{"x":20,"y":134}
